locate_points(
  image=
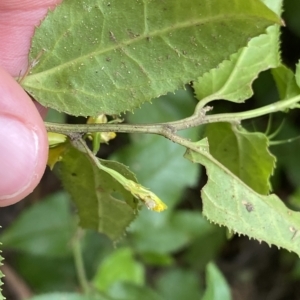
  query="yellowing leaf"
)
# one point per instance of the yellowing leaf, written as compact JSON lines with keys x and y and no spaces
{"x":55,"y":155}
{"x":137,"y":190}
{"x":150,"y":199}
{"x":56,"y":138}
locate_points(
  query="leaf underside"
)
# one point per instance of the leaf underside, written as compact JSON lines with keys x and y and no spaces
{"x":232,"y":79}
{"x":103,"y":204}
{"x":91,"y":57}
{"x":245,"y":154}
{"x":227,"y":201}
{"x":286,"y":82}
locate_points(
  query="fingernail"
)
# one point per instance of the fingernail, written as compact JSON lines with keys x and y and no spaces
{"x":18,"y":156}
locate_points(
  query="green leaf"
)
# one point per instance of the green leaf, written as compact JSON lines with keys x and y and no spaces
{"x":119,"y":266}
{"x":103,"y":204}
{"x":245,"y":154}
{"x":157,"y":259}
{"x":160,"y":237}
{"x":232,"y":79}
{"x":177,"y":284}
{"x":65,"y":296}
{"x":128,"y":291}
{"x":229,"y":202}
{"x":286,"y":82}
{"x":46,"y":228}
{"x":217,"y":287}
{"x":55,"y":116}
{"x":91,"y":57}
{"x":171,"y":234}
{"x":192,"y":223}
{"x":297,"y":75}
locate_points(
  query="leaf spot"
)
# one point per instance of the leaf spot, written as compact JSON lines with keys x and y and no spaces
{"x":150,"y":203}
{"x":248,"y":205}
{"x":295,"y":232}
{"x":112,"y":36}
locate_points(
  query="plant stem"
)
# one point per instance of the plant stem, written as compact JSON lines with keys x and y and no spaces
{"x":198,"y":118}
{"x":254,"y":113}
{"x":77,"y":253}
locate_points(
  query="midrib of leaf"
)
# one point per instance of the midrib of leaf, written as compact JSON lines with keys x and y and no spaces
{"x":232,"y":74}
{"x":100,"y":211}
{"x":239,"y":153}
{"x":100,"y":206}
{"x":155,"y":33}
{"x":240,"y":160}
{"x":231,"y":77}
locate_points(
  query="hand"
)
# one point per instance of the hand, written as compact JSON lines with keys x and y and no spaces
{"x":23,"y":138}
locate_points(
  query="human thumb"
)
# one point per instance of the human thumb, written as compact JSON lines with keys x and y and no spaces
{"x":23,"y":142}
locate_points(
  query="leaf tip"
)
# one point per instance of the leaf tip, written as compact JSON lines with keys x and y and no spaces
{"x":155,"y":204}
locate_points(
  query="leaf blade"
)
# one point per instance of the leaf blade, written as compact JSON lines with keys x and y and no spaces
{"x":217,"y":287}
{"x":96,"y":194}
{"x":233,"y":78}
{"x":227,"y":201}
{"x":137,"y":57}
{"x":245,"y":154}
{"x":54,"y":233}
{"x":286,"y":83}
{"x":120,"y":266}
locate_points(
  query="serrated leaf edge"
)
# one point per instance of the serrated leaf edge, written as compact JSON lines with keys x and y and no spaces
{"x":218,"y":94}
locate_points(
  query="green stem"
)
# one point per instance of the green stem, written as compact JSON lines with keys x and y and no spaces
{"x":280,"y":142}
{"x":198,"y":118}
{"x":254,"y":113}
{"x":79,"y":265}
